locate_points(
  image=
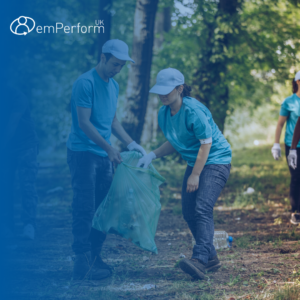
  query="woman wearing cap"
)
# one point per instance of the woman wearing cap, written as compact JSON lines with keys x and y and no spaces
{"x":289,"y":114}
{"x":190,"y":129}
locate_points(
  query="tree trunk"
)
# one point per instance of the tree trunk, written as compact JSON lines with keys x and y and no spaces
{"x":105,"y":16}
{"x":211,"y":78}
{"x":162,"y":24}
{"x":151,"y":123}
{"x":139,"y":75}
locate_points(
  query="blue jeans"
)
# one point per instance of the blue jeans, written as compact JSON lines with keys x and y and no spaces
{"x":197,"y":207}
{"x":91,"y":179}
{"x":295,"y":182}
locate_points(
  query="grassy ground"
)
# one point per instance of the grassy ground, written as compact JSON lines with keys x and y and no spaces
{"x":264,"y":262}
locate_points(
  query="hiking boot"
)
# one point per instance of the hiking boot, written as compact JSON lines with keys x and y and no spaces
{"x":193,"y":267}
{"x":213,"y":264}
{"x":295,"y":219}
{"x":83,"y":268}
{"x":98,"y":262}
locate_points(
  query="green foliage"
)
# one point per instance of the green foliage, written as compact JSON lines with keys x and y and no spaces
{"x":256,"y":168}
{"x":235,"y":56}
{"x":243,"y":200}
{"x":287,"y":293}
{"x":122,"y":28}
{"x":247,"y":125}
{"x":177,"y":210}
{"x":177,"y":263}
{"x":243,"y":241}
{"x":234,"y":281}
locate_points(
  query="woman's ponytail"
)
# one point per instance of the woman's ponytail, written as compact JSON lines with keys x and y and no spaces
{"x":186,"y":92}
{"x":295,"y":86}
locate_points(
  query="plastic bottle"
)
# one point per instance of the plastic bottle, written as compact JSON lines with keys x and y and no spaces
{"x":221,"y":240}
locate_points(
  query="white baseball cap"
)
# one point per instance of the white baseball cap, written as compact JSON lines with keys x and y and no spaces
{"x":117,"y":48}
{"x":166,"y":81}
{"x":297,"y":76}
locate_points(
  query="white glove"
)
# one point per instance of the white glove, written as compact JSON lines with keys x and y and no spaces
{"x":276,"y":151}
{"x":292,"y":158}
{"x":146,"y":160}
{"x":134,"y":146}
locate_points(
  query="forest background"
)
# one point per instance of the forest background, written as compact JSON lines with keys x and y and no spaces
{"x":239,"y":56}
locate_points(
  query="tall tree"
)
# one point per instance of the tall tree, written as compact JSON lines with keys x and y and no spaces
{"x":162,"y":25}
{"x":105,"y":7}
{"x":139,"y":75}
{"x":210,"y":77}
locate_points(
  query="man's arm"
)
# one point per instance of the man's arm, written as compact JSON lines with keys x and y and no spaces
{"x":91,"y":132}
{"x":119,"y":132}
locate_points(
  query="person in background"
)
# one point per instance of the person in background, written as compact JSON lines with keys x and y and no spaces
{"x":18,"y":153}
{"x":190,"y":130}
{"x":289,"y":114}
{"x":90,"y":155}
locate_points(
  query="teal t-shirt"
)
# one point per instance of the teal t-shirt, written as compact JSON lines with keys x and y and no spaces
{"x":290,"y":108}
{"x":194,"y":122}
{"x":91,"y":91}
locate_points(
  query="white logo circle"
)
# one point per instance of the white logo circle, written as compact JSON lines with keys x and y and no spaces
{"x":22,"y":28}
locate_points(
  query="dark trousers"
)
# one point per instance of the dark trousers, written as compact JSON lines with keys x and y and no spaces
{"x":25,"y":163}
{"x":295,"y":182}
{"x":91,"y":179}
{"x":197,"y":207}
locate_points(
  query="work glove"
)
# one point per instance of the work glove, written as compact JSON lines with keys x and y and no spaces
{"x":134,"y":146}
{"x":292,"y":158}
{"x":146,"y":160}
{"x":276,"y":151}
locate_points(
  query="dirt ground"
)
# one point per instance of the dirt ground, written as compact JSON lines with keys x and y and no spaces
{"x":265,"y":254}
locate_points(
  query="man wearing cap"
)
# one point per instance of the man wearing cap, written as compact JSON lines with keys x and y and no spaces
{"x":90,"y":154}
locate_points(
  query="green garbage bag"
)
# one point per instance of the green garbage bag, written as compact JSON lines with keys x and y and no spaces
{"x":132,"y":205}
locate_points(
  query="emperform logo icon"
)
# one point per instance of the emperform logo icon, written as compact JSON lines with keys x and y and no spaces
{"x":22,"y":25}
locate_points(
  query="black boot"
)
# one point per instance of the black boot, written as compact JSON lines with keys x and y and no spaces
{"x":193,"y":267}
{"x":98,"y":262}
{"x":213,"y":264}
{"x":83,"y":268}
